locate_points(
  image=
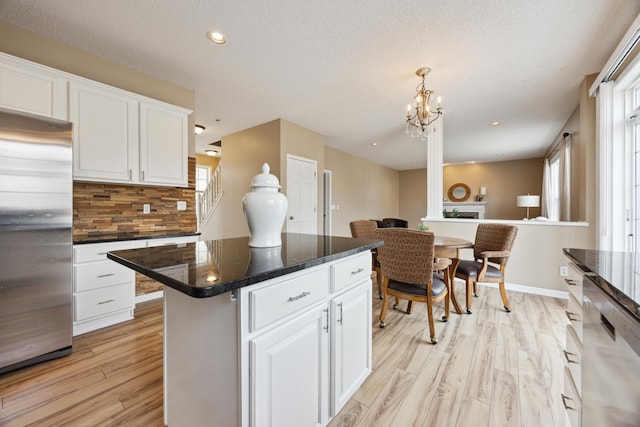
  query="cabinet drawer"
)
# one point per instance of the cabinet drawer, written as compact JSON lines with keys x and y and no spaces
{"x":574,"y":282}
{"x":571,"y":401}
{"x":575,"y":315}
{"x":98,"y":251}
{"x":573,"y":358}
{"x":350,"y":271}
{"x":103,"y":301}
{"x":99,"y":274}
{"x":282,"y":299}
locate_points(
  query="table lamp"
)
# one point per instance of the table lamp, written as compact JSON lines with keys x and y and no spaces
{"x":528,"y":201}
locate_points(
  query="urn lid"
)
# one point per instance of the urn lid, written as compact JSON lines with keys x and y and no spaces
{"x":265,"y":179}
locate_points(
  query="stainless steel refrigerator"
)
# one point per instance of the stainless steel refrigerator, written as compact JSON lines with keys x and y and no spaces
{"x":36,"y":203}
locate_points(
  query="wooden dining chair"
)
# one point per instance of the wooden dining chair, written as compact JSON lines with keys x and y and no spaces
{"x":491,"y":251}
{"x":407,"y":265}
{"x":366,"y":229}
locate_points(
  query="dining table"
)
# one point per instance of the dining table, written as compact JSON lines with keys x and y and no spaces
{"x":449,"y":247}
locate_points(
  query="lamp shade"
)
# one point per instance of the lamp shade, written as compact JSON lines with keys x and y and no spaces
{"x":528,"y":201}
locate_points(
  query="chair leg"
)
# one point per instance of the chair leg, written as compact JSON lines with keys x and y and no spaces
{"x":409,"y":307}
{"x":503,"y":294}
{"x":383,"y":308}
{"x":395,"y":305}
{"x":432,"y":328}
{"x":379,"y":280}
{"x":470,"y":284}
{"x":447,"y":298}
{"x":475,"y":290}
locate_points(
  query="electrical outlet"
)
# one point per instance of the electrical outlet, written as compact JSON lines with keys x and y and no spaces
{"x":182,"y":206}
{"x":146,"y":208}
{"x":564,"y":271}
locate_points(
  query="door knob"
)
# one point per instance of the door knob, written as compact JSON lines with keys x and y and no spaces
{"x":291,"y":217}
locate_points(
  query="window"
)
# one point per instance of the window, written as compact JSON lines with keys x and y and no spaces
{"x":202,"y":177}
{"x":202,"y":180}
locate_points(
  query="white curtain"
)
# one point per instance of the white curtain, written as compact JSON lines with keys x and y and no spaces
{"x":565,"y":178}
{"x":547,"y":191}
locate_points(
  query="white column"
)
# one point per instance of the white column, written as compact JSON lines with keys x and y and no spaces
{"x":434,"y":169}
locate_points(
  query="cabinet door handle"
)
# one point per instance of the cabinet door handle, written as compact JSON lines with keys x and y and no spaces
{"x":570,"y":282}
{"x":326,"y":320}
{"x":129,"y":173}
{"x":358,"y":271}
{"x":297,"y":297}
{"x":105,"y":302}
{"x":340,"y":313}
{"x":571,"y":316}
{"x":143,"y":175}
{"x":566,"y":356}
{"x":564,"y":402}
{"x":106,"y":275}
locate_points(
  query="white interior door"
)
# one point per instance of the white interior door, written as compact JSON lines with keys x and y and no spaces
{"x":302,"y":195}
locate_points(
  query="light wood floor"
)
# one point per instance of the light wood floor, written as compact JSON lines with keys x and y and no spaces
{"x":490,"y":368}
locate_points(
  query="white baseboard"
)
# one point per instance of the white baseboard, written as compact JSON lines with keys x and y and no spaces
{"x":528,"y":289}
{"x":148,"y":297}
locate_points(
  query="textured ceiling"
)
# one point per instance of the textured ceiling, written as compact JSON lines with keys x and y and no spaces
{"x":345,"y":69}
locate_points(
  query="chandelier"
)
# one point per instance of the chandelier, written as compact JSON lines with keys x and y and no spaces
{"x":420,"y":115}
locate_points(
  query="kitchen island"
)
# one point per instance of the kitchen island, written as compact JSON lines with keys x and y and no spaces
{"x":261,"y":336}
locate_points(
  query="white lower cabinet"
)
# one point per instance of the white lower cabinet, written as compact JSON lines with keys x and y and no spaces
{"x":351,"y":343}
{"x":103,"y":290}
{"x":289,"y":368}
{"x":299,"y":349}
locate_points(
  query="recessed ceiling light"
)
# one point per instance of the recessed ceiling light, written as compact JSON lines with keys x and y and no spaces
{"x":199,"y":129}
{"x":374,"y":144}
{"x":216,"y":37}
{"x":495,"y":123}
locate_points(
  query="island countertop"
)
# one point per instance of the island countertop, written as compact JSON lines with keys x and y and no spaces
{"x":212,"y":267}
{"x":616,"y":273}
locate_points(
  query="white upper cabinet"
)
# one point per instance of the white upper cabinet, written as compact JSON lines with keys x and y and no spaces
{"x":127,"y":138}
{"x":105,"y":133}
{"x":118,"y":136}
{"x":32,"y":88}
{"x":163,"y":144}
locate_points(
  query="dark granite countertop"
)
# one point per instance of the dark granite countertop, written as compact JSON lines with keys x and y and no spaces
{"x":212,"y":267}
{"x":616,"y":273}
{"x":99,"y":237}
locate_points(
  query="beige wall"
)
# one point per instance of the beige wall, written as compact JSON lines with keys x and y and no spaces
{"x":360,"y":190}
{"x":413,"y":196}
{"x":33,"y":47}
{"x":202,"y":159}
{"x":302,"y":142}
{"x":504,"y":181}
{"x":244,"y":154}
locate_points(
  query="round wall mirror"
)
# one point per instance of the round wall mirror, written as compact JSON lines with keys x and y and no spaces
{"x":459,"y":192}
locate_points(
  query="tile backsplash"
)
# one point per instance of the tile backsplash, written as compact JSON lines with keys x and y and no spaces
{"x":100,"y":208}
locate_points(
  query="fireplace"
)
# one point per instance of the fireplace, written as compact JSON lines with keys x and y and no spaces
{"x":467,"y":210}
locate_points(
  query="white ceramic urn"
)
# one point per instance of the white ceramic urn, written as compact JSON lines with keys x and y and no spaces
{"x":265,"y":209}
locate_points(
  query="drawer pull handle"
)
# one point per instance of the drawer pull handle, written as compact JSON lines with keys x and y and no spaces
{"x":571,"y":316}
{"x":102,"y":253}
{"x":564,"y":402}
{"x":566,"y":356}
{"x":106,"y":275}
{"x":570,"y":282}
{"x":105,"y":302}
{"x":358,"y":271}
{"x":297,"y":297}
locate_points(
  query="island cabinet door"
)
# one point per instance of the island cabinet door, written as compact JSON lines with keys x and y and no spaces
{"x":290,"y":372}
{"x":351,"y":343}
